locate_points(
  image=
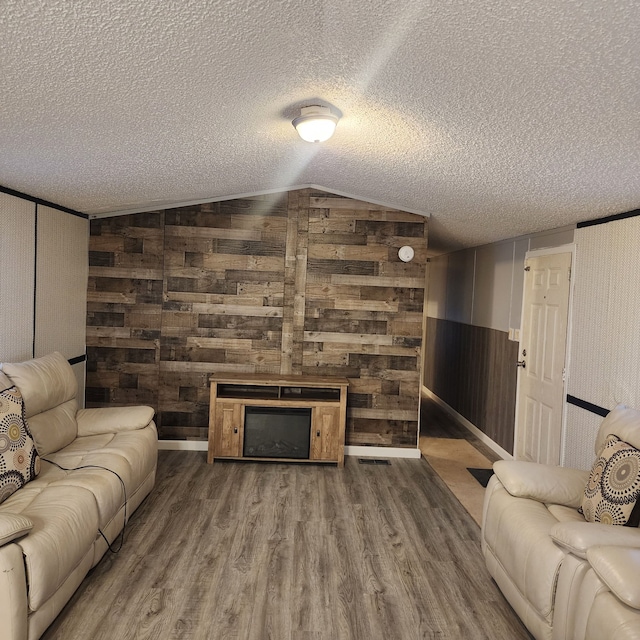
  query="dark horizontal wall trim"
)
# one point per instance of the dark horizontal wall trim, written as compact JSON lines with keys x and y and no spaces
{"x":588,"y":406}
{"x":613,"y":218}
{"x":46,"y":203}
{"x":78,"y":359}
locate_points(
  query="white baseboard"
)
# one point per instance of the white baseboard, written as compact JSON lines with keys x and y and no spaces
{"x":349,"y":450}
{"x":494,"y":446}
{"x":381,"y":452}
{"x":182,"y":445}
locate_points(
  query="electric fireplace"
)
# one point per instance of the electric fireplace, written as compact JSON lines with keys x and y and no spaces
{"x":277,"y":432}
{"x":256,"y":416}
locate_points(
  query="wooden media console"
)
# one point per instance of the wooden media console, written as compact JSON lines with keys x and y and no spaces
{"x":247,"y":407}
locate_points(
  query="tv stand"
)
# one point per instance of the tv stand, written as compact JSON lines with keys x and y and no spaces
{"x":232,"y":393}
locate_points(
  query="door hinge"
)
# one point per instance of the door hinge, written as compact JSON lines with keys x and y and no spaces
{"x":564,"y":374}
{"x":569,"y":274}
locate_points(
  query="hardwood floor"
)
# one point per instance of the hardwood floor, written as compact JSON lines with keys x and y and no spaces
{"x":274,"y":551}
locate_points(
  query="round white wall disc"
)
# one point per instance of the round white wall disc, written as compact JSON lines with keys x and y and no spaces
{"x":406,"y":253}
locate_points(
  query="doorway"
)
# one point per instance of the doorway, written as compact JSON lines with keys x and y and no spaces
{"x":542,"y":355}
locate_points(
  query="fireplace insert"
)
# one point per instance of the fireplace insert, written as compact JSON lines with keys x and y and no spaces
{"x":277,"y":432}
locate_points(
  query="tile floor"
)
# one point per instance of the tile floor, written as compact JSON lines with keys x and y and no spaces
{"x":450,"y":449}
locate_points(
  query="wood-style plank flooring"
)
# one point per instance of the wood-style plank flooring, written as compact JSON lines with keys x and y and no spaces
{"x":253,"y":551}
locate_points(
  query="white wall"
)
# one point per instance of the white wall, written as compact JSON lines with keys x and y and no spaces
{"x":43,"y":289}
{"x":492,"y":286}
{"x":483,"y":286}
{"x":437,"y":287}
{"x":459,"y":286}
{"x":17,"y":266}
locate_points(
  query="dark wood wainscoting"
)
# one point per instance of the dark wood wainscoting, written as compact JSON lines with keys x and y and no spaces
{"x":473,"y":369}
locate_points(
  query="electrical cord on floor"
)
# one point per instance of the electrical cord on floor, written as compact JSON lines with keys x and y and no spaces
{"x":124,"y":492}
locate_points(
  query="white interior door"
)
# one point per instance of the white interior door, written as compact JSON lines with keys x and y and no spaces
{"x":543,"y":341}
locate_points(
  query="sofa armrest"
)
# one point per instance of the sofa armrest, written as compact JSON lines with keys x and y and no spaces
{"x":545,"y":483}
{"x":618,"y":568}
{"x":93,"y":422}
{"x":13,"y":593}
{"x":579,"y":537}
{"x":13,"y":526}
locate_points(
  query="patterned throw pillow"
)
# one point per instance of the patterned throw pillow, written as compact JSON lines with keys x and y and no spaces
{"x":19,"y":460}
{"x":612,"y":491}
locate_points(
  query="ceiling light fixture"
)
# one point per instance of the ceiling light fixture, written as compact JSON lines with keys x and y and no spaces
{"x":315,"y":123}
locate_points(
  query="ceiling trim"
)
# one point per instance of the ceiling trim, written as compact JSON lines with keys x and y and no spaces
{"x":250,"y":194}
{"x":41,"y":201}
{"x":612,"y":218}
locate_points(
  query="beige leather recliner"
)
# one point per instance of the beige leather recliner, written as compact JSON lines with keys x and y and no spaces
{"x":535,"y":541}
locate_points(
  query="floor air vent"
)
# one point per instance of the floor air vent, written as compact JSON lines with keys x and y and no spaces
{"x":373,"y":461}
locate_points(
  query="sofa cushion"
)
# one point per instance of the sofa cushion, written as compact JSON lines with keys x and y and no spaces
{"x":542,"y":482}
{"x":65,"y":525}
{"x":111,"y":419}
{"x":19,"y":460}
{"x":565,"y":514}
{"x":579,"y":537}
{"x":12,"y":526}
{"x":44,"y":382}
{"x":517,"y":535}
{"x":610,"y":619}
{"x":618,"y":568}
{"x":129,"y":456}
{"x":612,"y":491}
{"x":48,"y":386}
{"x":54,"y":429}
{"x":624,"y":422}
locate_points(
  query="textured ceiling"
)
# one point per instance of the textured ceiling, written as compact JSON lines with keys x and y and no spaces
{"x":497,"y":118}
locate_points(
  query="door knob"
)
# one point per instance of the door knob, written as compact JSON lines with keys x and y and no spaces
{"x":521,"y":363}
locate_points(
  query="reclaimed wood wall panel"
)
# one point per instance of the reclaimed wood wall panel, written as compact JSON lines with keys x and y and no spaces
{"x":473,"y":369}
{"x":363,"y":316}
{"x":298,"y":282}
{"x":124,"y":310}
{"x":223,"y":302}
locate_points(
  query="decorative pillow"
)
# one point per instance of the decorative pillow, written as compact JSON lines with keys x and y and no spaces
{"x":19,"y":460}
{"x":612,"y":491}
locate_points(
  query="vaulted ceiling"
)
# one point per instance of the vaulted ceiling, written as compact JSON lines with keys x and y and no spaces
{"x":496,"y":118}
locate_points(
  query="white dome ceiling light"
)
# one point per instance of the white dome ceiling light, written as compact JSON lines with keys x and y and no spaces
{"x":315,"y":123}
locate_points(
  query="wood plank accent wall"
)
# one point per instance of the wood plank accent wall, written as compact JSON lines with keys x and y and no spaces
{"x":294,"y":283}
{"x":124,"y":310}
{"x":473,"y":369}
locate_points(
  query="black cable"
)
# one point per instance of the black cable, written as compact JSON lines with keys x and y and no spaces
{"x":124,"y":492}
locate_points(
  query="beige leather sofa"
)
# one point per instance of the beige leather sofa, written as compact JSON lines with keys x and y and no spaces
{"x":51,"y":529}
{"x":535,"y":541}
{"x":608,"y":604}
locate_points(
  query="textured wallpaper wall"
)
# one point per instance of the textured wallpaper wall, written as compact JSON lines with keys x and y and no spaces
{"x":43,"y":289}
{"x":17,"y":261}
{"x":604,"y":366}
